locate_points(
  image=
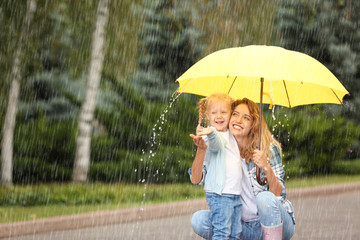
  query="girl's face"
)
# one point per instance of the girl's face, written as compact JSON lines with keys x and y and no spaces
{"x":240,"y":121}
{"x":218,"y":114}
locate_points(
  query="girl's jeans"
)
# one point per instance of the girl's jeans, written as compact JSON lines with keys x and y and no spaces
{"x":270,"y":211}
{"x":225,"y":215}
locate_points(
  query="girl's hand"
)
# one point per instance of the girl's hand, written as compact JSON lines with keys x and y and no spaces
{"x":199,"y":142}
{"x":201,"y":131}
{"x":260,"y":159}
{"x":199,"y":128}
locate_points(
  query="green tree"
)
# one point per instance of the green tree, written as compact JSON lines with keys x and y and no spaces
{"x":168,"y":47}
{"x":50,"y":96}
{"x":83,"y":140}
{"x":329,"y":31}
{"x":10,"y":116}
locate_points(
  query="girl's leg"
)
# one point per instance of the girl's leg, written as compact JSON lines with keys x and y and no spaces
{"x":236,"y":225}
{"x":201,"y":224}
{"x":222,"y":210}
{"x":272,"y":214}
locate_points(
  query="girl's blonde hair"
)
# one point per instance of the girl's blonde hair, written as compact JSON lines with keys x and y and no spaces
{"x":266,"y":136}
{"x":205,"y":102}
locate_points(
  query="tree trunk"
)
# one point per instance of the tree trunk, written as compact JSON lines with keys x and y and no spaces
{"x":83,"y":140}
{"x":10,"y":116}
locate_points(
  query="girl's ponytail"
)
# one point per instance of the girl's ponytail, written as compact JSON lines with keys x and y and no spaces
{"x":202,"y":109}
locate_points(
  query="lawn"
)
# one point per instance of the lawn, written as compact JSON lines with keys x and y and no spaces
{"x":48,"y":200}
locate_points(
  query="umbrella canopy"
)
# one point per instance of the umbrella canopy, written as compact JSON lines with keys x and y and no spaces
{"x":287,"y":78}
{"x":290,"y":78}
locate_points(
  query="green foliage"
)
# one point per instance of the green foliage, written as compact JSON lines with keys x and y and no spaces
{"x":167,"y":48}
{"x":350,"y":167}
{"x":135,"y":130}
{"x":168,"y":165}
{"x":44,"y":151}
{"x":125,"y":168}
{"x":51,"y":94}
{"x":36,"y":170}
{"x":312,"y":139}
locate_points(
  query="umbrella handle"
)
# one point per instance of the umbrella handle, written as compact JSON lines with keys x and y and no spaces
{"x":262,"y":183}
{"x":259,"y":141}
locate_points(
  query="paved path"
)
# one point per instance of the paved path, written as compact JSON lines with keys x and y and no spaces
{"x":332,"y":212}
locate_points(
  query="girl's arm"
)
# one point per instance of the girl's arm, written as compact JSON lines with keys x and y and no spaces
{"x":214,"y":141}
{"x":197,"y":166}
{"x":260,"y":159}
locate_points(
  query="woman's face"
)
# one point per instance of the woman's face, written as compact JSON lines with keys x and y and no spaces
{"x":240,"y":121}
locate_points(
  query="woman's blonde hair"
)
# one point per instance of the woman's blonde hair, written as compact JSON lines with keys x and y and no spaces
{"x":205,"y":102}
{"x":266,"y":136}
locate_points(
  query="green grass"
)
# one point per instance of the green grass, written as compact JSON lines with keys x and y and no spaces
{"x":21,"y":203}
{"x":320,"y":180}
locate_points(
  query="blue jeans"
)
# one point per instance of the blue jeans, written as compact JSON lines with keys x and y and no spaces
{"x":225,"y":215}
{"x":270,"y":211}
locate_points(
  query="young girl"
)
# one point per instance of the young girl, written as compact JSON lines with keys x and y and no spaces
{"x":221,"y":166}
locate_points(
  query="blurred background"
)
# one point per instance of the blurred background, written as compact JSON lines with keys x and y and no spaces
{"x":140,"y":127}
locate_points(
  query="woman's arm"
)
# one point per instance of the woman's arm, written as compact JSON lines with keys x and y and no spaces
{"x":274,"y":185}
{"x":197,"y":166}
{"x":260,"y":159}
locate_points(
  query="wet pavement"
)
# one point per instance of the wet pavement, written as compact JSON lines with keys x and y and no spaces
{"x":331,"y":212}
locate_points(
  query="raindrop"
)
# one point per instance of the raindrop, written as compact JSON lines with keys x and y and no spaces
{"x":273,"y":113}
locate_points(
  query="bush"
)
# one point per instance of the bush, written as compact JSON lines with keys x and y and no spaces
{"x":104,"y":149}
{"x":52,"y":142}
{"x":166,"y":164}
{"x":31,"y":170}
{"x":312,"y":139}
{"x":126,"y":168}
{"x":348,"y":167}
{"x":43,"y":151}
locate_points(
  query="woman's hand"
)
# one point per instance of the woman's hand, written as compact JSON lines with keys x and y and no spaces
{"x":260,"y":159}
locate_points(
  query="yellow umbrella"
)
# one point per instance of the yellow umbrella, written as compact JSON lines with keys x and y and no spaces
{"x":287,"y":78}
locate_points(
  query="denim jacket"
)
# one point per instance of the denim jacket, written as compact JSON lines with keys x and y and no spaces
{"x":214,"y":165}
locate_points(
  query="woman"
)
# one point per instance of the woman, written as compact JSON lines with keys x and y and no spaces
{"x":266,"y":214}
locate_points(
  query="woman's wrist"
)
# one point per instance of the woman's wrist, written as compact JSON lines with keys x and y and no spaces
{"x":267,"y":168}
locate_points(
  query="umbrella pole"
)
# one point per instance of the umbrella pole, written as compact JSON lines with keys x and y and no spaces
{"x":259,"y":141}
